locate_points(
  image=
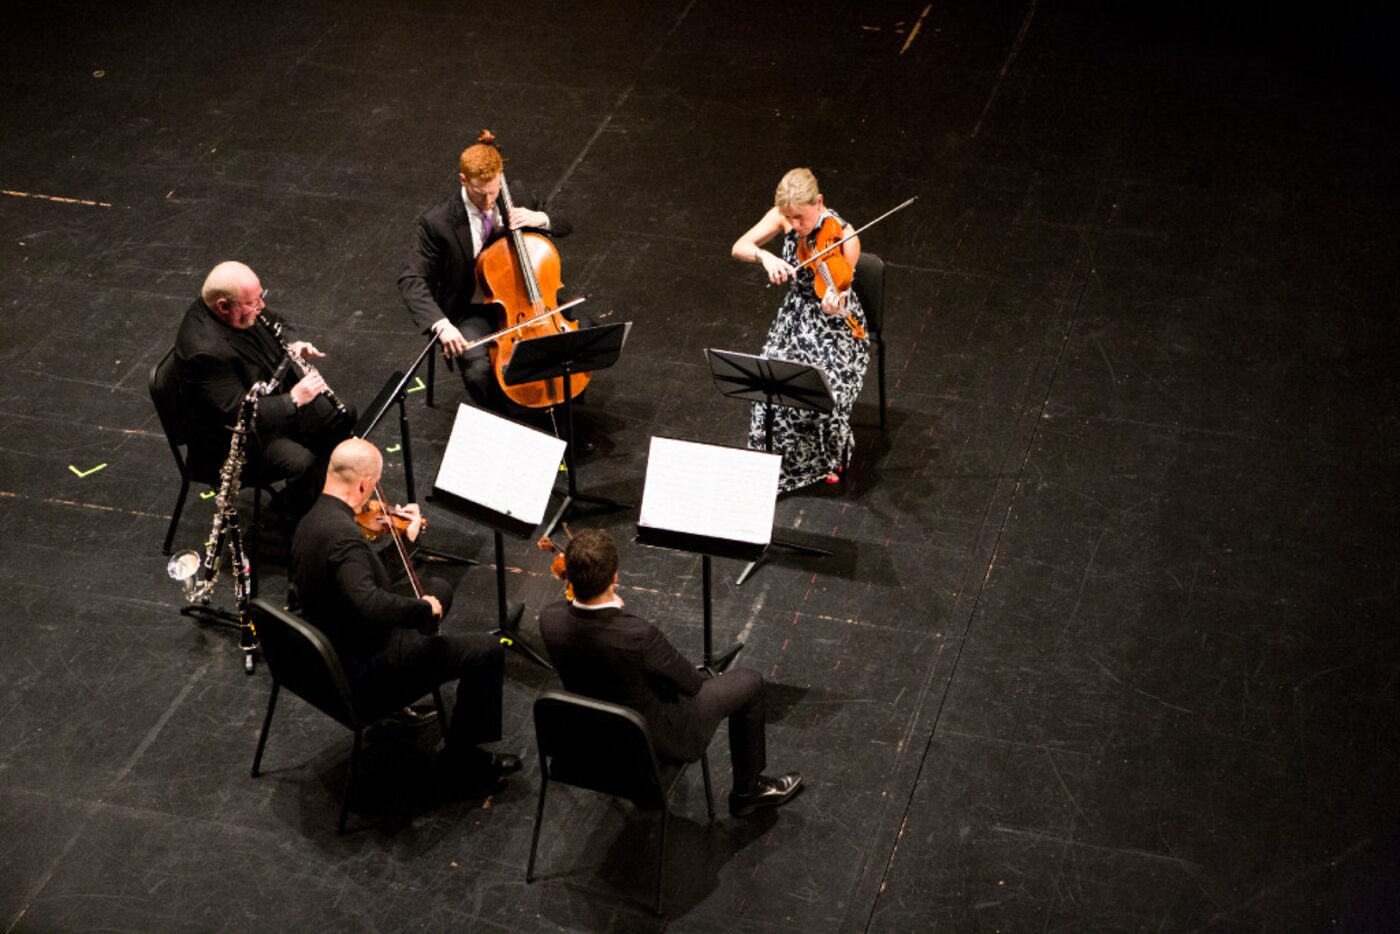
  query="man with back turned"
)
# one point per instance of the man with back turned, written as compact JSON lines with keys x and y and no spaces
{"x":605,"y":653}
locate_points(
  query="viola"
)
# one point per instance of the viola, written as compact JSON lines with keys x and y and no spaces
{"x":520,"y":272}
{"x":373,"y":529}
{"x":832,"y":269}
{"x":397,"y":527}
{"x":557,"y":567}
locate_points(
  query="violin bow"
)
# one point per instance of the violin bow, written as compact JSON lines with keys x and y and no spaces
{"x":854,"y":233}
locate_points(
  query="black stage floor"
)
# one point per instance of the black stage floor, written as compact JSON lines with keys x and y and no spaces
{"x":1108,"y":639}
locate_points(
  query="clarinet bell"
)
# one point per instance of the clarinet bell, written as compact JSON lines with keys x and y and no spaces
{"x":183,"y":568}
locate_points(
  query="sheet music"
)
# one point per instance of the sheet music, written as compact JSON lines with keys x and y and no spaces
{"x":500,"y":464}
{"x":705,"y":489}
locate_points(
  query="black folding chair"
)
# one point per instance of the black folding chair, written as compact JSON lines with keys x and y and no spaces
{"x":606,"y":748}
{"x":301,"y":658}
{"x":164,"y":385}
{"x":870,"y":289}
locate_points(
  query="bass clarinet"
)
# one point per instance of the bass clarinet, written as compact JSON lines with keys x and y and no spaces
{"x":198,"y":575}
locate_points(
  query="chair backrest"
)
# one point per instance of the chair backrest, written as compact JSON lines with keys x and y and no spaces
{"x":164,"y":384}
{"x":870,"y":288}
{"x":599,"y":746}
{"x":302,"y":660}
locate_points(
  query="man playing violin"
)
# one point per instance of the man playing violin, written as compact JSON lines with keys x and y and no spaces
{"x":388,"y":641}
{"x":439,"y":283}
{"x":221,"y":350}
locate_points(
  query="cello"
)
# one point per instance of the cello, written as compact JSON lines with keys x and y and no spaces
{"x":520,"y":273}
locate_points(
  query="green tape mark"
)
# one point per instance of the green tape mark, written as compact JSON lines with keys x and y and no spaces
{"x":84,"y":473}
{"x":418,"y":385}
{"x":209,"y":494}
{"x":393,"y":449}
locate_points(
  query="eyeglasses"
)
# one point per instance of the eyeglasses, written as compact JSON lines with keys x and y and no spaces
{"x":262,"y":297}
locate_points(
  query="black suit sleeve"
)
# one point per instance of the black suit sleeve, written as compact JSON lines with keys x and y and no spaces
{"x":416,"y":280}
{"x":211,"y":381}
{"x":663,"y":661}
{"x":559,"y":225}
{"x":375,"y":606}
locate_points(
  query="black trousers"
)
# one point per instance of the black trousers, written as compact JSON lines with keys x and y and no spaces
{"x":738,"y":696}
{"x":415,"y":663}
{"x":478,"y":376}
{"x":300,"y":457}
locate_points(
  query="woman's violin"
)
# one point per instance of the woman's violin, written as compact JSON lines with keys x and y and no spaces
{"x":822,"y":250}
{"x":373,"y":528}
{"x":833,"y":270}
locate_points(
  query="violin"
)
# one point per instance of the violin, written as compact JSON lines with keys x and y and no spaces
{"x":832,"y":269}
{"x":373,"y":529}
{"x":557,"y":566}
{"x":398,"y":530}
{"x":520,"y":272}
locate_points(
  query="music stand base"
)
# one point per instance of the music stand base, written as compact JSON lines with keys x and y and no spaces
{"x":790,"y":546}
{"x":443,"y":557}
{"x":509,"y":634}
{"x":567,"y":508}
{"x":723,"y":660}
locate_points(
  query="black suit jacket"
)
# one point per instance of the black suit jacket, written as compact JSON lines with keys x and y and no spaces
{"x":440,"y":275}
{"x":217,"y":365}
{"x":345,"y":590}
{"x":613,"y":656}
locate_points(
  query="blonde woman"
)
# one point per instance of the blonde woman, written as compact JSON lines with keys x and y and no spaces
{"x":815,"y":447}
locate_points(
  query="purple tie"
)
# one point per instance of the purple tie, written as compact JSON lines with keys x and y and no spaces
{"x":486,"y":228}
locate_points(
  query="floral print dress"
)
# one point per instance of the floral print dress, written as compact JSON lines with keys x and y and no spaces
{"x":813,"y":444}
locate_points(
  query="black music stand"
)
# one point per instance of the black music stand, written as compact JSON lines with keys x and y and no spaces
{"x":771,"y":382}
{"x":560,"y":356}
{"x":696,"y":497}
{"x":501,"y":524}
{"x":392,"y":394}
{"x":484,"y":446}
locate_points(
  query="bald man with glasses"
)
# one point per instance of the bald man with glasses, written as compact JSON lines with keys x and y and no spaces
{"x":221,"y":351}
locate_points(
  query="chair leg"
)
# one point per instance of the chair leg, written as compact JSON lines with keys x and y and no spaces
{"x":432,"y":376}
{"x":880,"y":372}
{"x":350,"y":780}
{"x":539,"y":821}
{"x":661,"y":857}
{"x":267,"y":723}
{"x":442,"y":712}
{"x":175,"y":515}
{"x":287,"y":528}
{"x":253,"y":561}
{"x":709,"y":792}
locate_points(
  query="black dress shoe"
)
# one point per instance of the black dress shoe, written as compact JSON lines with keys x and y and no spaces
{"x":483,"y":774}
{"x":499,"y":765}
{"x":418,"y":715}
{"x":769,"y":793}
